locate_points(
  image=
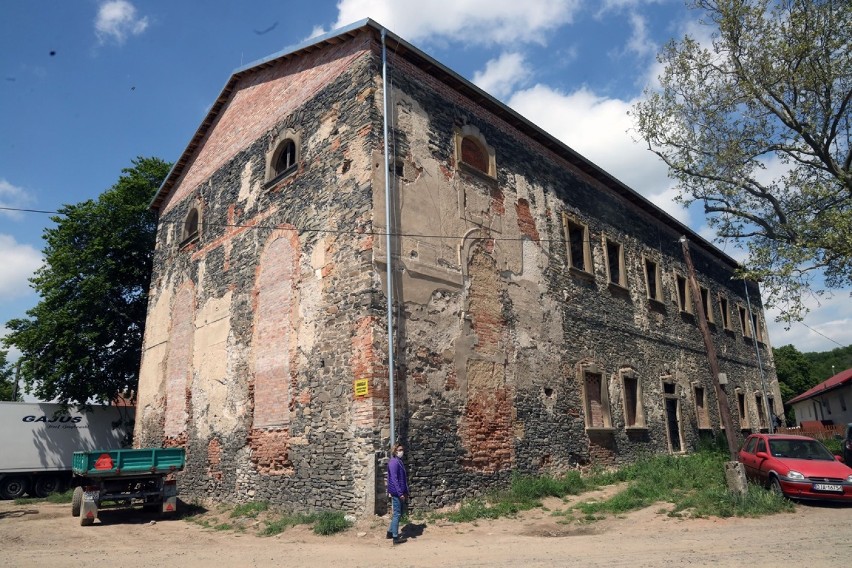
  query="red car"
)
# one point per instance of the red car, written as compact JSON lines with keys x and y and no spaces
{"x":796,"y":466}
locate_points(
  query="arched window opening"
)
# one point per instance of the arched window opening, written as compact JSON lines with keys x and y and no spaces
{"x":286,"y":158}
{"x":190,"y":227}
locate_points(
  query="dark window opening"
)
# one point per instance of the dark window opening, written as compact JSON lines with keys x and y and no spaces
{"x":669,"y":388}
{"x":706,"y":304}
{"x":577,"y":245}
{"x":631,"y":401}
{"x":726,"y":317}
{"x":652,"y":280}
{"x":615,"y":262}
{"x":682,"y":294}
{"x":287,"y":158}
{"x":190,"y":226}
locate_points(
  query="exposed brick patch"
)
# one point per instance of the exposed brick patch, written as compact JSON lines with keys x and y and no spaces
{"x":260,"y":100}
{"x":526,"y":223}
{"x":602,"y":448}
{"x":274,"y":342}
{"x":270,"y":451}
{"x":214,"y":458}
{"x":487,"y":432}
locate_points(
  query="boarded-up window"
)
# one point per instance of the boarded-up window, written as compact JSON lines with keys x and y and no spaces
{"x":701,"y":413}
{"x":473,"y":155}
{"x":596,"y":401}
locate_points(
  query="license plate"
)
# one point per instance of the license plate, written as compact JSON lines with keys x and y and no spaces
{"x":91,"y":496}
{"x":828,"y":487}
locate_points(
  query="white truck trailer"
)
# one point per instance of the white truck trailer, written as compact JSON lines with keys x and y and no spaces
{"x":39,"y":441}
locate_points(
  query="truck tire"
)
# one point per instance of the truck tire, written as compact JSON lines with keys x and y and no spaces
{"x":13,"y":487}
{"x":77,"y":501}
{"x":46,"y":484}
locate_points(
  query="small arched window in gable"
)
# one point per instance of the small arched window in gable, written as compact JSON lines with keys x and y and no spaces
{"x":282,"y":159}
{"x":286,"y":160}
{"x":190,"y":227}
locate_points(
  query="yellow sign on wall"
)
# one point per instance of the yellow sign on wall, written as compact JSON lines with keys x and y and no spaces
{"x":362,"y":387}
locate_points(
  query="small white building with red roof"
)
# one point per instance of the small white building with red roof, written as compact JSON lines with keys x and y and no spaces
{"x":830,"y":402}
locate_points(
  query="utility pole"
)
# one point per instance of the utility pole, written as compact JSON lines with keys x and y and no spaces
{"x":721,"y":395}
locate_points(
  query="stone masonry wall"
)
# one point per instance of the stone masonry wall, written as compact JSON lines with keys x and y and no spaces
{"x":496,"y":331}
{"x":282,"y":285}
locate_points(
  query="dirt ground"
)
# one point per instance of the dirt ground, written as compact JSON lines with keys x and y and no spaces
{"x":45,"y":534}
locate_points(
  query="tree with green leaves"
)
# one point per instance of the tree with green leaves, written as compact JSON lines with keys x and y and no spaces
{"x":7,"y":379}
{"x":82,"y":342}
{"x":754,"y":124}
{"x":794,"y":370}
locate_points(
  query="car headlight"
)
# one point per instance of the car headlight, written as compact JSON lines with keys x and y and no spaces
{"x":849,"y":479}
{"x":793,"y":474}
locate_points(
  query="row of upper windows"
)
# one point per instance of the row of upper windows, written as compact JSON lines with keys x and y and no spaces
{"x":282,"y":162}
{"x":579,"y":257}
{"x":597,"y":409}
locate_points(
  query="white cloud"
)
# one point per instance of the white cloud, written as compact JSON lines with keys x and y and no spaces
{"x":14,"y":197}
{"x":503,"y":74}
{"x":470,"y":21}
{"x":20,"y":261}
{"x":639,"y":43}
{"x":118,"y":19}
{"x":830,"y":317}
{"x":596,"y":127}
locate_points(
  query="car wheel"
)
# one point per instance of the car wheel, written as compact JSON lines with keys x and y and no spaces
{"x":775,"y":487}
{"x":76,"y":501}
{"x":13,"y":487}
{"x":47,"y":484}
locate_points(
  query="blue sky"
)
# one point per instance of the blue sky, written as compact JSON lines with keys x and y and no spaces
{"x":87,"y":85}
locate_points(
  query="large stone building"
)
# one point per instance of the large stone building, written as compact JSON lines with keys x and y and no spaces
{"x":541,"y":318}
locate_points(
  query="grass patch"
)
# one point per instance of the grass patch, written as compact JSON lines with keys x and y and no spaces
{"x":695,"y":484}
{"x":329,"y":522}
{"x":64,"y":497}
{"x":283,"y":522}
{"x":250,"y":510}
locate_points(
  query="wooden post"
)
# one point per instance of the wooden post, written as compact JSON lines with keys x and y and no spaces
{"x":721,"y":395}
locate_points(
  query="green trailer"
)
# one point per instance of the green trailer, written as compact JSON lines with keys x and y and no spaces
{"x":122,"y":478}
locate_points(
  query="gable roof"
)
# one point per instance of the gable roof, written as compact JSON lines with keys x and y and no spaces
{"x":401,"y":48}
{"x":834,"y":382}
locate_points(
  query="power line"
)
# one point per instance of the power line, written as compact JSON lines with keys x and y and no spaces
{"x":822,"y":334}
{"x":29,"y":210}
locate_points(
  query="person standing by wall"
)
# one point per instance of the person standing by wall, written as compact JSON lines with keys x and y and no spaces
{"x":398,"y":490}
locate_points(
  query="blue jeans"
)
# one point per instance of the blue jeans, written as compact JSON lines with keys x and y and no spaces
{"x":399,"y":507}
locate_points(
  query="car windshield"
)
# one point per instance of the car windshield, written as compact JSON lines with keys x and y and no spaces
{"x":799,"y":449}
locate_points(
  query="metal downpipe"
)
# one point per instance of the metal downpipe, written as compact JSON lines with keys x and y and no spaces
{"x":389,"y":274}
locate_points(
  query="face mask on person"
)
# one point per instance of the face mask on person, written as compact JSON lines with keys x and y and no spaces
{"x":399,"y":453}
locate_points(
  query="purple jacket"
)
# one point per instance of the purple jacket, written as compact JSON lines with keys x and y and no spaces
{"x":397,"y":478}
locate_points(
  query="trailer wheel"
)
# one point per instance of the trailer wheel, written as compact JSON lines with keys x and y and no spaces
{"x":76,"y":501}
{"x":13,"y":487}
{"x":47,"y":484}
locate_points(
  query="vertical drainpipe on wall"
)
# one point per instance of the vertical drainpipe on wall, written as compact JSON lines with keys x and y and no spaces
{"x":770,"y":418}
{"x":388,"y":241}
